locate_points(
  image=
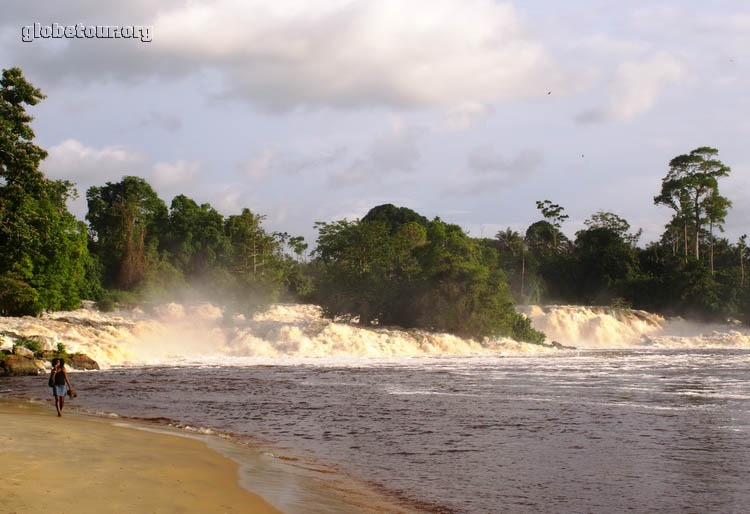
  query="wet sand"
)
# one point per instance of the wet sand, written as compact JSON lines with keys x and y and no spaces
{"x":84,"y":464}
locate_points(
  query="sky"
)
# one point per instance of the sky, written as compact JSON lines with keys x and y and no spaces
{"x":318,"y":110}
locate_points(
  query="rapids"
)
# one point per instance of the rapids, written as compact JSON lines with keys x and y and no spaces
{"x":176,"y":334}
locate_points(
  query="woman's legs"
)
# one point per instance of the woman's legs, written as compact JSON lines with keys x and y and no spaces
{"x":58,"y":404}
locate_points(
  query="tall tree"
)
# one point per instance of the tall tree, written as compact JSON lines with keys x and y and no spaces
{"x":126,"y":220}
{"x":250,"y":246}
{"x":194,"y":237}
{"x":513,"y":241}
{"x":742,"y":246}
{"x":691,"y":186}
{"x":553,"y":213}
{"x":717,"y":207}
{"x":44,"y":255}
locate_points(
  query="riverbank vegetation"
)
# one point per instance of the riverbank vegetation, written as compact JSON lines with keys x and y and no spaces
{"x":392,"y":267}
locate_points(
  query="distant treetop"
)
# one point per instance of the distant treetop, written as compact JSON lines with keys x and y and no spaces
{"x":394,"y":217}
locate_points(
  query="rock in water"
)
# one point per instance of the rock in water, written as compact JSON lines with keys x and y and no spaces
{"x":82,"y":361}
{"x":16,"y":365}
{"x":22,"y":351}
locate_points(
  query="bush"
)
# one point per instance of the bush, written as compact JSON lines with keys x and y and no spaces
{"x":17,"y":298}
{"x":34,"y":346}
{"x":620,"y":303}
{"x":523,"y":331}
{"x":106,"y":304}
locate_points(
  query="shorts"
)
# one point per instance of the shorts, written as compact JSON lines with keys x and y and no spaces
{"x":60,"y":390}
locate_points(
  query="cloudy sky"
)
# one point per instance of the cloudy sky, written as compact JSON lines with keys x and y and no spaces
{"x":470,"y":110}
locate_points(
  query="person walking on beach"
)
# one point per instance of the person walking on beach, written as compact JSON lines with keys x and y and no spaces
{"x":61,"y":384}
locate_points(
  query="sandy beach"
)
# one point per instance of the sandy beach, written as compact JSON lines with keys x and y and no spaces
{"x":84,"y":464}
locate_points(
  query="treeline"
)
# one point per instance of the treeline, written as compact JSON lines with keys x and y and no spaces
{"x":188,"y":251}
{"x":395,"y":267}
{"x":689,"y":271}
{"x":392,"y":267}
{"x":134,"y":247}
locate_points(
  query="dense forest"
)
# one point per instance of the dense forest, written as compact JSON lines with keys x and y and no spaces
{"x":392,"y":267}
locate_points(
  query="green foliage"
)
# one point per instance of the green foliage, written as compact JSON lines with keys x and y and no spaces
{"x":125,"y":221}
{"x":194,"y":237}
{"x":620,"y":303}
{"x":17,"y":298}
{"x":392,"y":267}
{"x":62,"y":353}
{"x":430,"y":275}
{"x":105,"y":304}
{"x":34,"y":346}
{"x":605,"y":262}
{"x":691,"y":189}
{"x":614,"y":223}
{"x":45,"y":251}
{"x":394,"y":217}
{"x":553,"y":213}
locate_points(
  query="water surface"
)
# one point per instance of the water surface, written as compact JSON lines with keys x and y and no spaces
{"x":594,"y":431}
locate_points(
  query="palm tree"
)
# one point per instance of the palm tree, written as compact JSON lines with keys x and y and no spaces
{"x":511,"y":240}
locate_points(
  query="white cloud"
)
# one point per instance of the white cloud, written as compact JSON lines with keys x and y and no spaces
{"x":343,"y":53}
{"x":168,"y":176}
{"x":86,"y":166}
{"x":72,"y":160}
{"x":638,"y":87}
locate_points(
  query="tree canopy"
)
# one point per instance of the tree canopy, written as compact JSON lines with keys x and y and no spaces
{"x":392,"y":267}
{"x":421,"y":274}
{"x":45,"y":259}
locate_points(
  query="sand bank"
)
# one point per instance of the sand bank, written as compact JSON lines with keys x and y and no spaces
{"x":83,"y":464}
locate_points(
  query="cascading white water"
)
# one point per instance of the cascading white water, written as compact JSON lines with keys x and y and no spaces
{"x":589,"y":327}
{"x":202,"y":333}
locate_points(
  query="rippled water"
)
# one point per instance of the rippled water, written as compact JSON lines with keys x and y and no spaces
{"x":594,"y":431}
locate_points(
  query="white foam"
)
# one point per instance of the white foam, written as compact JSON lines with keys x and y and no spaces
{"x":178,"y":334}
{"x":201,"y":334}
{"x":587,"y":327}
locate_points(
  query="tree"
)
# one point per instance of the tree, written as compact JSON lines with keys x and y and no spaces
{"x":44,"y":259}
{"x":126,"y":221}
{"x":605,"y":262}
{"x":393,"y":216}
{"x":716,"y":210}
{"x":250,"y":245}
{"x":512,"y":241}
{"x":358,"y":269}
{"x":691,"y":187}
{"x":194,"y":236}
{"x":553,"y":213}
{"x":615,"y":223}
{"x":742,"y":246}
{"x":419,"y":274}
